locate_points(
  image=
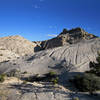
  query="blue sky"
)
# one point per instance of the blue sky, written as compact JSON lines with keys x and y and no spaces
{"x":42,"y":19}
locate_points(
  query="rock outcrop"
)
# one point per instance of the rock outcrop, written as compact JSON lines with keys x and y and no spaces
{"x":66,"y":37}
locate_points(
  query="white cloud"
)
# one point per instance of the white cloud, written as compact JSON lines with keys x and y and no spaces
{"x":36,"y":6}
{"x":52,"y":35}
{"x":52,"y":26}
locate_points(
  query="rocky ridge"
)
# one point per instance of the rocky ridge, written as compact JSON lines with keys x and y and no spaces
{"x":66,"y":37}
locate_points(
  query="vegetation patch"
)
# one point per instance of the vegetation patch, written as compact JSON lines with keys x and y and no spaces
{"x":90,"y":80}
{"x":1,"y":54}
{"x":49,"y":77}
{"x":2,"y":77}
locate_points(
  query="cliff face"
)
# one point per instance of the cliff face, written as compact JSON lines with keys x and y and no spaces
{"x":67,"y":37}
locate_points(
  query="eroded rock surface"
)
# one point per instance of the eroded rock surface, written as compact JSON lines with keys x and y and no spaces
{"x":16,"y":90}
{"x":17,"y":44}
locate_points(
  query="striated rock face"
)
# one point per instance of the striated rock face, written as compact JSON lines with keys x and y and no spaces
{"x":17,"y":45}
{"x":75,"y":57}
{"x":67,"y":37}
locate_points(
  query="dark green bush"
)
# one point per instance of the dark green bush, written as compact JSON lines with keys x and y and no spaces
{"x":90,"y":80}
{"x":75,"y":98}
{"x":2,"y":77}
{"x":25,"y":72}
{"x":51,"y":74}
{"x":87,"y":82}
{"x":34,"y":78}
{"x":55,"y":80}
{"x":95,"y":67}
{"x":49,"y":77}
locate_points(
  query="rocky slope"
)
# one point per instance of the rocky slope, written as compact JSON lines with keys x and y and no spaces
{"x":7,"y":55}
{"x":17,"y":44}
{"x":12,"y":47}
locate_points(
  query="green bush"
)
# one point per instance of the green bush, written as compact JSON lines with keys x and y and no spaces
{"x":48,"y":77}
{"x":90,"y":80}
{"x":55,"y":80}
{"x":87,"y":82}
{"x":35,"y":78}
{"x":95,"y":66}
{"x":25,"y":72}
{"x":51,"y":74}
{"x":2,"y":77}
{"x":75,"y":98}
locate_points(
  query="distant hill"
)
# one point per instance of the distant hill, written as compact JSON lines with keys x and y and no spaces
{"x":12,"y":47}
{"x":17,"y":44}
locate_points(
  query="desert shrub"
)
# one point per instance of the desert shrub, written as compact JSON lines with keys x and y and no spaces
{"x":75,"y":98}
{"x":25,"y":72}
{"x":95,"y":67}
{"x":87,"y":82}
{"x":90,"y":80}
{"x":1,"y":54}
{"x":2,"y":49}
{"x":55,"y":80}
{"x":49,"y":77}
{"x":2,"y":77}
{"x":51,"y":74}
{"x":24,"y":82}
{"x":35,"y":78}
{"x":52,"y":77}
